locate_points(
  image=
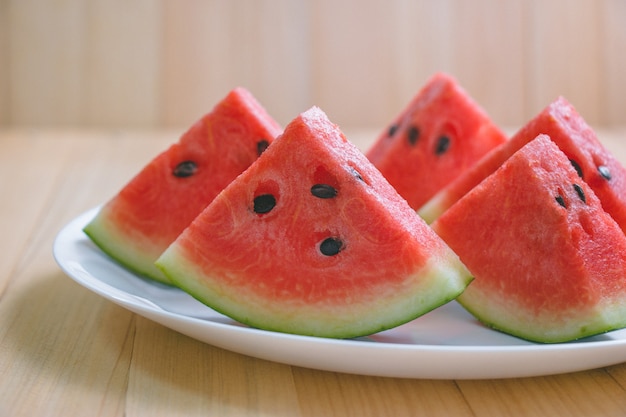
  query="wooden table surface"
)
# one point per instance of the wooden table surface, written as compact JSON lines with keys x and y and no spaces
{"x":65,"y":351}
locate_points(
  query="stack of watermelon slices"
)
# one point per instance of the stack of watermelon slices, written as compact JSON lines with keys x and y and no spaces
{"x":543,"y":280}
{"x":549,"y":262}
{"x":311,"y":238}
{"x":565,"y":126}
{"x":145,"y":217}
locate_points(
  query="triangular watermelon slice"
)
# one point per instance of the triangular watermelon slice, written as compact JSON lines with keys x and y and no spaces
{"x":566,"y":127}
{"x":311,"y":239}
{"x":141,"y":221}
{"x":549,"y":262}
{"x":440,"y":134}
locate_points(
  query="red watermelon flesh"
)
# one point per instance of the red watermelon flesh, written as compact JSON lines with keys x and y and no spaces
{"x":312,"y":240}
{"x":441,"y":133}
{"x":559,"y":120}
{"x":549,"y":262}
{"x":145,"y":217}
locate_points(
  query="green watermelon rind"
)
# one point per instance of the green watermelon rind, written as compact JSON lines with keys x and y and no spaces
{"x":607,"y":317}
{"x":436,"y":284}
{"x":433,"y":208}
{"x":116,"y":244}
{"x":599,"y":308}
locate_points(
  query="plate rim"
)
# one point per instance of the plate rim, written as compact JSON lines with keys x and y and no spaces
{"x":71,"y":233}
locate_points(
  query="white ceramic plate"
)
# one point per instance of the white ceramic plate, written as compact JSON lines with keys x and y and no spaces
{"x":446,"y":343}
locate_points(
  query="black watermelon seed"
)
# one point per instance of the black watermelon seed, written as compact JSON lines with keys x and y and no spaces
{"x":559,"y":199}
{"x":331,"y":246}
{"x":264,"y":203}
{"x":577,"y":167}
{"x":323,"y":191}
{"x":261,"y":146}
{"x":413,"y":135}
{"x":580,"y":192}
{"x":392,"y":130}
{"x":604,"y":171}
{"x":185,"y":169}
{"x":443,"y":143}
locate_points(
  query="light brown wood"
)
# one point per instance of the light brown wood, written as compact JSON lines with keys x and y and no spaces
{"x":194,"y":379}
{"x":65,"y":351}
{"x":156,"y":63}
{"x":565,"y":395}
{"x":334,"y":394}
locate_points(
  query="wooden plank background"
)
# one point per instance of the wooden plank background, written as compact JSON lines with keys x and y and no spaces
{"x":164,"y":63}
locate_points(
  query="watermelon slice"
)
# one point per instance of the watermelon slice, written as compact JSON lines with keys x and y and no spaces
{"x":312,"y":240}
{"x":559,"y":120}
{"x":141,"y":221}
{"x":549,"y":262}
{"x":441,"y":133}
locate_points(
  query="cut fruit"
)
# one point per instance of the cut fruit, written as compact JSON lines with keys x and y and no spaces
{"x":440,"y":134}
{"x":560,"y":121}
{"x":549,"y":262}
{"x":312,"y":240}
{"x":141,"y":221}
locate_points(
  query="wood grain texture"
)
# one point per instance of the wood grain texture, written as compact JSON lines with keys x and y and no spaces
{"x":614,"y":58}
{"x":211,"y":47}
{"x":69,"y":339}
{"x":565,"y":49}
{"x":173,"y":375}
{"x":4,"y":63}
{"x":156,"y":63}
{"x":342,"y":395}
{"x":565,"y":393}
{"x":46,"y":50}
{"x":122,"y":61}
